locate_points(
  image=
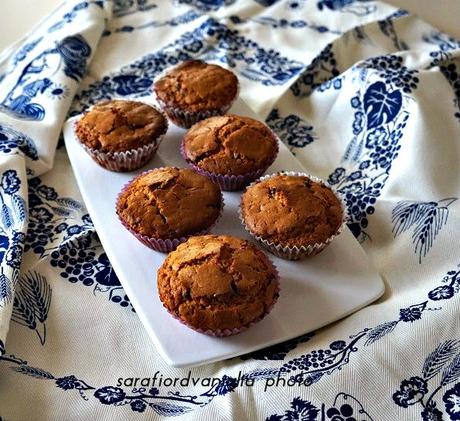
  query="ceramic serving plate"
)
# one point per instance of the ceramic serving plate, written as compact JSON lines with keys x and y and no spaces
{"x":314,"y":292}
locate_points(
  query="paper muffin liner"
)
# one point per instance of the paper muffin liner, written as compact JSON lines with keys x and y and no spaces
{"x":130,"y":160}
{"x":164,"y":245}
{"x":187,"y":119}
{"x":298,"y":251}
{"x":231,"y":182}
{"x":235,"y":331}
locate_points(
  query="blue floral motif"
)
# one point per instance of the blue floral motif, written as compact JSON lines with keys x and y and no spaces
{"x":426,"y":218}
{"x":13,"y":214}
{"x":443,"y":292}
{"x":138,"y":406}
{"x":14,"y":256}
{"x":47,"y":193}
{"x":321,"y":74}
{"x":431,"y":413}
{"x":411,"y":392}
{"x":291,"y":129}
{"x":50,"y":218}
{"x":67,"y":383}
{"x":452,"y":402}
{"x":341,"y":410}
{"x":211,"y":41}
{"x":10,"y":182}
{"x":300,"y":410}
{"x":444,"y":360}
{"x":109,"y":395}
{"x":412,"y":313}
{"x":41,"y":213}
{"x":12,"y":141}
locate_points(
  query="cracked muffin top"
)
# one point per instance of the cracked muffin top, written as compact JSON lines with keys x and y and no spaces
{"x":197,"y":86}
{"x":216,"y":282}
{"x":230,"y":144}
{"x":169,"y":203}
{"x":118,"y":126}
{"x":291,"y":210}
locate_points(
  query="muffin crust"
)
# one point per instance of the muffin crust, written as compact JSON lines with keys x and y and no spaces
{"x":217,"y":282}
{"x":118,"y":125}
{"x":197,"y":86}
{"x":291,"y":210}
{"x":230,"y":144}
{"x":170,"y":203}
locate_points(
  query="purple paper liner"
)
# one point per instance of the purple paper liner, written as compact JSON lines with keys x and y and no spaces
{"x":230,"y":182}
{"x":164,"y":245}
{"x":298,"y":251}
{"x":235,"y":331}
{"x":125,"y":161}
{"x":187,"y":119}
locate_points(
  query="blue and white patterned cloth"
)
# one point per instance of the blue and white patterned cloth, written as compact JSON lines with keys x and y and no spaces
{"x":365,"y":95}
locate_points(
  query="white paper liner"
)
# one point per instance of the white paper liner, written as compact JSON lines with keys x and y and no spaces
{"x":300,"y":251}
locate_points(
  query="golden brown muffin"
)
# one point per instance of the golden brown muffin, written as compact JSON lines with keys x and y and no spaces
{"x":214,"y":283}
{"x":197,"y":86}
{"x":169,"y":203}
{"x":230,"y":145}
{"x":291,"y":210}
{"x":118,"y":126}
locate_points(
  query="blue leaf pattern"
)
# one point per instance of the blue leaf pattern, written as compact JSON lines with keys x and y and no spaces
{"x":380,"y":105}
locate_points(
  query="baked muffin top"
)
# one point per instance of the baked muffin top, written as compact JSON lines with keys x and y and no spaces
{"x":197,"y":86}
{"x":217,"y":282}
{"x":230,"y":144}
{"x":291,"y":210}
{"x":118,"y":125}
{"x":169,"y":203}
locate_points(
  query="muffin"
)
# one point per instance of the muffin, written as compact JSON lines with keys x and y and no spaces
{"x":164,"y":206}
{"x":195,"y":90}
{"x":218,"y":285}
{"x":121,"y":135}
{"x":231,"y":150}
{"x":294,"y":215}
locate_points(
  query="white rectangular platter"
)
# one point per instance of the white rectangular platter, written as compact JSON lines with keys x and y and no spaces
{"x":314,"y":292}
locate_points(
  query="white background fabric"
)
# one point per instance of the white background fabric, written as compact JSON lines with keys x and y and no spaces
{"x":383,"y":130}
